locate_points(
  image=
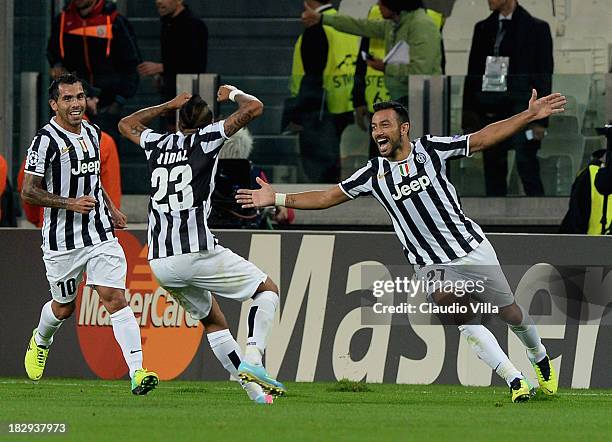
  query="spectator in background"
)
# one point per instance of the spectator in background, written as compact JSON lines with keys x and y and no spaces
{"x":184,"y":48}
{"x":586,"y":204}
{"x":510,"y":40}
{"x":369,"y":87}
{"x":110,"y":172}
{"x":405,"y":20}
{"x":93,"y":40}
{"x":321,"y":82}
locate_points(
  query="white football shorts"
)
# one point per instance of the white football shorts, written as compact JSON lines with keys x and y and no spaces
{"x":104,"y":263}
{"x":479,"y":270}
{"x":191,"y":277}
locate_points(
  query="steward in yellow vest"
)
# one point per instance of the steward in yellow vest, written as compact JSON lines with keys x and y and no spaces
{"x":585,"y":211}
{"x":336,"y":64}
{"x":321,"y":106}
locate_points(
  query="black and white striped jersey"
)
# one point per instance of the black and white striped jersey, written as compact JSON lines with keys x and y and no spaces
{"x":183,"y":169}
{"x":70,"y":166}
{"x":420,"y":200}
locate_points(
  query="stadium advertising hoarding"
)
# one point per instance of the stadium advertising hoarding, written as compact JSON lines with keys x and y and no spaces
{"x":336,"y":320}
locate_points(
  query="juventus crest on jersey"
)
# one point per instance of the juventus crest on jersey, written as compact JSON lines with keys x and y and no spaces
{"x":420,"y":200}
{"x":183,"y":169}
{"x":70,"y":165}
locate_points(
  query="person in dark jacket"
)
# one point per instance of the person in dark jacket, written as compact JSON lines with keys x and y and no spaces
{"x":184,"y":46}
{"x":91,"y":39}
{"x":521,"y":44}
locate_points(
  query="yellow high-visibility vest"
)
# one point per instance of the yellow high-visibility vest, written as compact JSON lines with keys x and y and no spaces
{"x":339,"y":72}
{"x":437,"y":17}
{"x":597,"y":200}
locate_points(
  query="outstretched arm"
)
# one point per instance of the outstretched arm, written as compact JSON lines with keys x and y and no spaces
{"x":249,"y":108}
{"x":494,"y":133}
{"x":266,"y":196}
{"x":132,"y":126}
{"x":344,"y":23}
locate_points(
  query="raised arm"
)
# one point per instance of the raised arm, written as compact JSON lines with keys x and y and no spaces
{"x":132,"y":126}
{"x":312,"y":200}
{"x":33,"y":193}
{"x":494,"y":133}
{"x":249,"y":108}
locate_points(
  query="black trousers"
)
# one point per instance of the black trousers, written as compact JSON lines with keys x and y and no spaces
{"x":320,"y":145}
{"x":527,"y":164}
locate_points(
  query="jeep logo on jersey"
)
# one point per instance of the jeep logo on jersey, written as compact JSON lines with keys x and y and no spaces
{"x":87,"y":167}
{"x":170,"y":336}
{"x":411,"y":187}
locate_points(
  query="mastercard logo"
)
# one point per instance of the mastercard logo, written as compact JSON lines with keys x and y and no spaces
{"x":170,"y":336}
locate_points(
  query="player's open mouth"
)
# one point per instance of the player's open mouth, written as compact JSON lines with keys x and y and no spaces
{"x":382,"y":142}
{"x":76,"y":113}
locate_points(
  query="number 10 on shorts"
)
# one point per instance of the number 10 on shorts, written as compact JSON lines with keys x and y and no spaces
{"x":68,"y":288}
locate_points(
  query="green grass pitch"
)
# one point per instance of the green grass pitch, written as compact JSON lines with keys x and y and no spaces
{"x":177,"y":410}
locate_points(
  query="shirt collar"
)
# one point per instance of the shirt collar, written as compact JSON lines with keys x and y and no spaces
{"x":505,"y":17}
{"x":60,"y":128}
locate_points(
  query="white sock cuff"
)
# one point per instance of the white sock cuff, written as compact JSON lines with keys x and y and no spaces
{"x":267,"y":297}
{"x":123,"y":315}
{"x":48,"y":310}
{"x":219,"y":337}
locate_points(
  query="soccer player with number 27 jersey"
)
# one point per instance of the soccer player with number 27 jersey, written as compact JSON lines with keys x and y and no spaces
{"x":409,"y":180}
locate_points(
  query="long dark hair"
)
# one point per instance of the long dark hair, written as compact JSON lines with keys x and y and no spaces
{"x":195,"y":113}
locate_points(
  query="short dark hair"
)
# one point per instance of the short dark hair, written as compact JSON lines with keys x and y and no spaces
{"x":401,"y":111}
{"x":398,"y":6}
{"x":195,"y":113}
{"x":62,"y":79}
